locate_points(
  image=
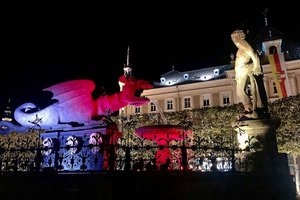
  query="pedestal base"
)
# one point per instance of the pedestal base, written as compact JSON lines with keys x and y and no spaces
{"x":258,"y":134}
{"x":257,"y":138}
{"x":263,"y":163}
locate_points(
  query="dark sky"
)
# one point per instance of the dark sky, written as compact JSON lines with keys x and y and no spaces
{"x":48,"y":44}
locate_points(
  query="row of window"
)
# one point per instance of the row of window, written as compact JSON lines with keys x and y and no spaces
{"x":187,"y":103}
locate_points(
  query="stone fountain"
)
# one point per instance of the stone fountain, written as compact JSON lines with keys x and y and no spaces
{"x":163,"y":135}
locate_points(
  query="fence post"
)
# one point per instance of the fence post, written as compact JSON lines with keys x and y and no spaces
{"x":233,"y":169}
{"x":127,"y":159}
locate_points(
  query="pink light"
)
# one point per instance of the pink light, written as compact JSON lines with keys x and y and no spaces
{"x":75,"y":103}
{"x":162,"y":135}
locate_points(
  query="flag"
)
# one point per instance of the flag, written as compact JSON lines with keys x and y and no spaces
{"x":279,"y":75}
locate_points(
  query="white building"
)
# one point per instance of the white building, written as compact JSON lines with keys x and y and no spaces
{"x":216,"y":85}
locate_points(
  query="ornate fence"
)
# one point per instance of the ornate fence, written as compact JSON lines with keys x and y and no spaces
{"x":95,"y":153}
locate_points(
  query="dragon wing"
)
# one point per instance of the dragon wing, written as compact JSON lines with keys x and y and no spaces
{"x":74,"y":95}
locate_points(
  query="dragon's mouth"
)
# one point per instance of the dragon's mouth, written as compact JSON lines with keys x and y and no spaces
{"x":133,"y":90}
{"x":138,"y":92}
{"x":137,"y":99}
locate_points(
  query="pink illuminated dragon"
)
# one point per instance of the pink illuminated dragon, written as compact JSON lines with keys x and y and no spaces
{"x":76,"y":104}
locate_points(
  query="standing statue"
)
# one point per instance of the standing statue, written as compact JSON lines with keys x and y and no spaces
{"x":247,"y":71}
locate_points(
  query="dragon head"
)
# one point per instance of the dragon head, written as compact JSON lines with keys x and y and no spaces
{"x":133,"y":89}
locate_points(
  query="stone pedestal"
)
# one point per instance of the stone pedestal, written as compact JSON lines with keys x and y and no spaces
{"x":258,"y":134}
{"x":258,"y":138}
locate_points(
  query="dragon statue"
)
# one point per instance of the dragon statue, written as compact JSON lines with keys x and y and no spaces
{"x":76,"y":106}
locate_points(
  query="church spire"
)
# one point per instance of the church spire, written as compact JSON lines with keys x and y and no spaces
{"x":265,"y":13}
{"x":127,"y":59}
{"x":7,"y":115}
{"x":127,"y":69}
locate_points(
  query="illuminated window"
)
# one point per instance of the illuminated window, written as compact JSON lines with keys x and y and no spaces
{"x":226,"y":100}
{"x":206,"y":100}
{"x":162,"y":80}
{"x":187,"y":102}
{"x":216,"y":72}
{"x":152,"y":107}
{"x":186,"y":76}
{"x":169,"y":104}
{"x":137,"y":109}
{"x":273,"y":50}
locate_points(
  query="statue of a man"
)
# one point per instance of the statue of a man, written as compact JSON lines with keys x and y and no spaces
{"x":247,"y":68}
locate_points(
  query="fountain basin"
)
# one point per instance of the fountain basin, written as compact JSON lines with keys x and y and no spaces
{"x":163,"y":135}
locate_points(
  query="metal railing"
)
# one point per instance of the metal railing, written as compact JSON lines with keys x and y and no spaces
{"x":80,"y":154}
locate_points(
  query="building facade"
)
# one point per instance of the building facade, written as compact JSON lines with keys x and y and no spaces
{"x":218,"y":92}
{"x":216,"y":86}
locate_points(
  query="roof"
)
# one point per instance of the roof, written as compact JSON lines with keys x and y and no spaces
{"x":290,"y":48}
{"x":175,"y":77}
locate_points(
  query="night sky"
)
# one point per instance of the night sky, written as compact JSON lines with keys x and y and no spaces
{"x":46,"y":45}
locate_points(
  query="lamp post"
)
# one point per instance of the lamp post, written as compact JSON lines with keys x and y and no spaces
{"x":183,"y":152}
{"x":186,"y":125}
{"x":129,"y":125}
